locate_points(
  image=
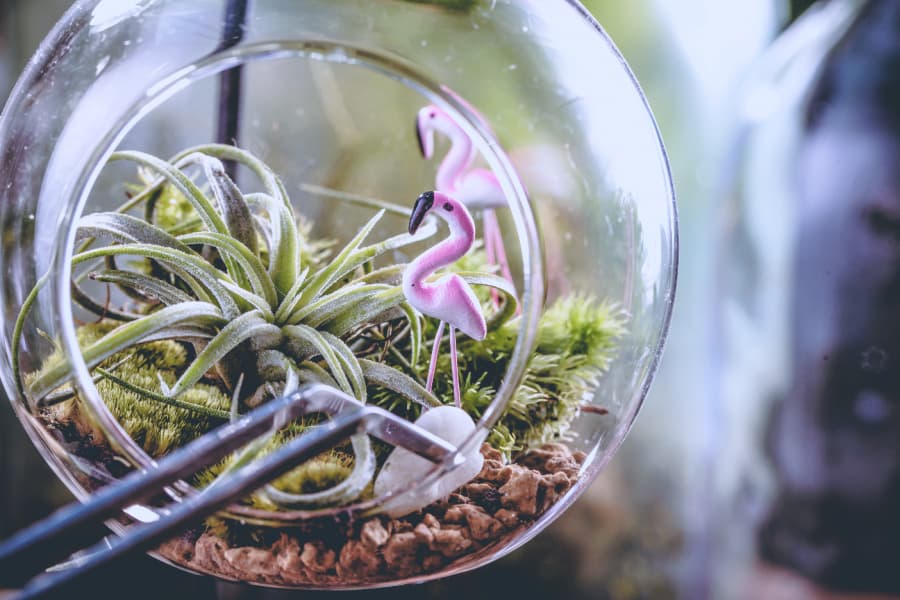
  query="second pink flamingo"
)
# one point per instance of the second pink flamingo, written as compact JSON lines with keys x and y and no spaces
{"x":476,"y":188}
{"x":450,"y":298}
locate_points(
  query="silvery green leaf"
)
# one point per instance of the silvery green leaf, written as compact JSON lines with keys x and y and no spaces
{"x":508,"y":308}
{"x":359,"y":200}
{"x":365,"y":312}
{"x":249,"y":298}
{"x":231,"y":203}
{"x":342,"y":264}
{"x":265,"y":174}
{"x":195,"y":314}
{"x":182,"y":183}
{"x":249,"y":263}
{"x":125,"y":229}
{"x":425,"y":231}
{"x":282,"y":238}
{"x":331,"y":305}
{"x":415,"y":332}
{"x":350,"y":363}
{"x":291,"y":298}
{"x":239,"y":330}
{"x":19,"y":325}
{"x":150,"y":287}
{"x":391,"y":275}
{"x":310,"y":372}
{"x":307,"y":341}
{"x":388,"y":377}
{"x":191,"y":263}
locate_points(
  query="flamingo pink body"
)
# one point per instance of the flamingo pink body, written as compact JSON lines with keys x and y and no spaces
{"x":476,"y":188}
{"x":449,"y":299}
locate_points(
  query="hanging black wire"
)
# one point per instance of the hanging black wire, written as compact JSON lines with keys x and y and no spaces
{"x":230,"y":81}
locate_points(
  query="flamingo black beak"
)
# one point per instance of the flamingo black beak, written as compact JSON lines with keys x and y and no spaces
{"x":419,"y":138}
{"x":420,"y":209}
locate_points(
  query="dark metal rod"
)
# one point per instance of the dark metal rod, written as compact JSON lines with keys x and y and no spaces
{"x":72,"y":527}
{"x":230,"y":81}
{"x":149,"y":535}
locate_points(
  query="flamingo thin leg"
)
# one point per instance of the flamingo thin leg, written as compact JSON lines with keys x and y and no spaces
{"x":435,"y":350}
{"x":490,"y":225}
{"x":500,"y":252}
{"x":457,"y":399}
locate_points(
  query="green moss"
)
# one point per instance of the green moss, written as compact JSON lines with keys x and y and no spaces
{"x":576,"y":340}
{"x":317,"y":474}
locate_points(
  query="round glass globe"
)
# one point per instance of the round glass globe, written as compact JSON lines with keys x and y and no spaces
{"x":326,"y":94}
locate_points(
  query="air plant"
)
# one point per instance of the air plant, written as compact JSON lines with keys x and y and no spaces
{"x":231,"y":301}
{"x":235,"y":282}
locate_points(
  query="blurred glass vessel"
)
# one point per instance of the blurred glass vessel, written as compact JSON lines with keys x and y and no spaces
{"x":808,"y":454}
{"x":328,"y":97}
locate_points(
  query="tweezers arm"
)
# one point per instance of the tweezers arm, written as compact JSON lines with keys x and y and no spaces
{"x":76,"y":525}
{"x":69,"y":529}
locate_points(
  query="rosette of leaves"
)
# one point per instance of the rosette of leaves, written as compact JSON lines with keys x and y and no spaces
{"x":235,"y":281}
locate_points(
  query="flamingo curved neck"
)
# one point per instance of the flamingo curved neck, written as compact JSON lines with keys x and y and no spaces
{"x":448,"y":251}
{"x":458,"y":158}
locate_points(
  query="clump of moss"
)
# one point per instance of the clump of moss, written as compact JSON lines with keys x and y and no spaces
{"x":322,"y":472}
{"x":576,"y":339}
{"x":157,"y":426}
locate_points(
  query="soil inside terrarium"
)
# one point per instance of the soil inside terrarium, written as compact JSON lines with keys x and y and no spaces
{"x":503,"y":499}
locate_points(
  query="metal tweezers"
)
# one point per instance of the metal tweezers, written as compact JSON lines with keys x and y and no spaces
{"x":24,"y":556}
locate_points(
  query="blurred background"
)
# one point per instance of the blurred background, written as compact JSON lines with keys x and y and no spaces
{"x":739,"y":479}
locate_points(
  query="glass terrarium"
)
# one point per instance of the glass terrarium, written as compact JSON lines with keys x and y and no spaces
{"x":457,"y":211}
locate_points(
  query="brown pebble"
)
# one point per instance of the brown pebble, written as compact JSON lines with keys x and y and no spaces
{"x":401,"y":553}
{"x":397,"y":526}
{"x":209,"y":553}
{"x":317,"y":558}
{"x":288,"y":550}
{"x":494,"y":470}
{"x":509,"y":518}
{"x":477,"y":490}
{"x":373,"y":534}
{"x":260,"y":562}
{"x":431,"y":521}
{"x":180,"y":547}
{"x":491,"y":453}
{"x":481,"y":525}
{"x":358,"y":561}
{"x":451,"y":542}
{"x":521,"y":492}
{"x":455,"y":515}
{"x":424,"y":533}
{"x":554,"y":487}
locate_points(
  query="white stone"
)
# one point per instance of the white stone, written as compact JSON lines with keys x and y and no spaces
{"x":404,"y":469}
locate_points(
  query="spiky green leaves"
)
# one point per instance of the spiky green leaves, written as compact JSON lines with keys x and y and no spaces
{"x":237,"y":284}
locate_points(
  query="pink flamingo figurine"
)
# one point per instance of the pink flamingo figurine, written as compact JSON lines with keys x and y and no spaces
{"x":450,"y":298}
{"x":476,"y":188}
